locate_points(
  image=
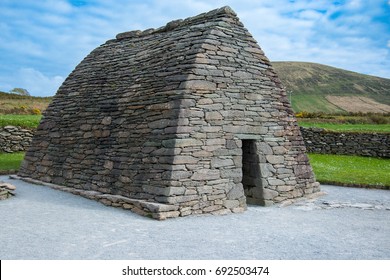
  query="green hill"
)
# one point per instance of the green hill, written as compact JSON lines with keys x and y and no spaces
{"x":11,"y":103}
{"x":320,"y":88}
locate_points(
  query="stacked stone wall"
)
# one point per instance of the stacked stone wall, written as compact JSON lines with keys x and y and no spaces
{"x":321,"y":141}
{"x":15,"y":139}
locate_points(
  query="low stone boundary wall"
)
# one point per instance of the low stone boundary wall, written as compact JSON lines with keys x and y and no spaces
{"x":317,"y":140}
{"x":15,"y":139}
{"x":321,"y":141}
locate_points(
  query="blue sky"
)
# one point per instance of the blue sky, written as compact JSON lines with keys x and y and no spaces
{"x":42,"y":41}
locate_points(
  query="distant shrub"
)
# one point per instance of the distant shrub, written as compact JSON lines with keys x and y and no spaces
{"x":377,"y":119}
{"x":355,"y":121}
{"x":340,"y":119}
{"x":308,"y":115}
{"x":36,"y":111}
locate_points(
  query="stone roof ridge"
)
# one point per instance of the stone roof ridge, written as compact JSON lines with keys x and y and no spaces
{"x":213,"y":14}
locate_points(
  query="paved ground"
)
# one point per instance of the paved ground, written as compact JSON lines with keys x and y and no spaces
{"x":347,"y":223}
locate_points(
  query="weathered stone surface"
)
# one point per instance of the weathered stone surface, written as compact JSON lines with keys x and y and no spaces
{"x":269,"y":194}
{"x":173,"y":121}
{"x":6,"y":190}
{"x":158,"y":207}
{"x":213,"y":116}
{"x":275,"y":159}
{"x":230,"y":204}
{"x":221,"y":162}
{"x":205,"y":174}
{"x":284,"y":188}
{"x":198,"y":85}
{"x":7,"y":186}
{"x":236,"y":192}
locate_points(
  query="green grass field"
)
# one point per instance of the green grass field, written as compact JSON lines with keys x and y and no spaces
{"x":10,"y":161}
{"x":27,"y":121}
{"x":351,"y":170}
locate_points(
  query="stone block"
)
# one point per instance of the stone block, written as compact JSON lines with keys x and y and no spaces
{"x":202,"y":154}
{"x":231,"y":173}
{"x":188,"y":142}
{"x":206,"y":174}
{"x":279,"y":150}
{"x":211,"y":208}
{"x":275,"y":182}
{"x":236,"y":192}
{"x":184,"y":160}
{"x":176,"y":174}
{"x":230,"y":204}
{"x":219,"y":141}
{"x":198,"y":85}
{"x":284,"y":188}
{"x":205,"y":190}
{"x":267,"y":170}
{"x":269,"y":194}
{"x":180,"y":199}
{"x":221,"y":162}
{"x":216,"y":197}
{"x":273,"y":159}
{"x":159,"y":124}
{"x":158,"y":207}
{"x":210,"y":116}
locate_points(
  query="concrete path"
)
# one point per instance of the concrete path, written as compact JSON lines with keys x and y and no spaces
{"x":347,"y":223}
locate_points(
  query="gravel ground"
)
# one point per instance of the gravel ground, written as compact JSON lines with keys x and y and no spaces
{"x":346,"y":223}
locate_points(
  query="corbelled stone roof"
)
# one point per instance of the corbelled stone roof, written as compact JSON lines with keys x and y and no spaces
{"x":224,"y":12}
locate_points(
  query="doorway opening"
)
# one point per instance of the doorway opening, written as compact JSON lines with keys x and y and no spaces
{"x":251,"y":174}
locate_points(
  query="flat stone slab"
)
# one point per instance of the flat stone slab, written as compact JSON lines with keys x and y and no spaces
{"x":7,"y":186}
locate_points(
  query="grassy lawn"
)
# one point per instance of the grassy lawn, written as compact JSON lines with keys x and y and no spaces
{"x":351,"y":170}
{"x":10,"y":161}
{"x":381,"y":128}
{"x":27,"y":121}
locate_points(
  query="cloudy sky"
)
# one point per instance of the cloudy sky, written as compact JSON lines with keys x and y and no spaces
{"x":42,"y":41}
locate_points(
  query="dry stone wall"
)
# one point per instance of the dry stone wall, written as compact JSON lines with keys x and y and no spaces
{"x":160,"y":117}
{"x":321,"y":141}
{"x":15,"y":139}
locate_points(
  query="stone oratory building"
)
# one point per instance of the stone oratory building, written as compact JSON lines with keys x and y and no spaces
{"x":189,"y":118}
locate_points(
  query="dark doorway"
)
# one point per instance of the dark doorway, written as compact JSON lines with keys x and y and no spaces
{"x":251,"y":176}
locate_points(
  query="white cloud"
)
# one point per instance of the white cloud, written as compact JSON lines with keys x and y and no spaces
{"x":36,"y":82}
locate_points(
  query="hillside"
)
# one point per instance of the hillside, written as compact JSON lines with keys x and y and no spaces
{"x":316,"y":87}
{"x":19,"y":104}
